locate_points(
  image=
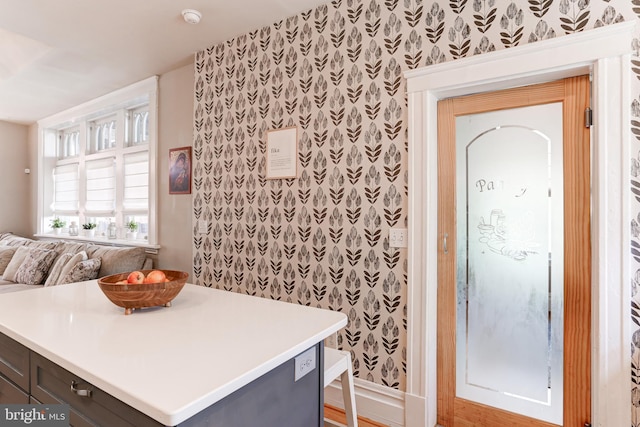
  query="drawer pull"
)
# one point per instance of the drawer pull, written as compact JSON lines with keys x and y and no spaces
{"x":80,"y":392}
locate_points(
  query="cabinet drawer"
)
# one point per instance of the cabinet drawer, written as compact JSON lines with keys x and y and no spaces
{"x":10,"y":393}
{"x":75,"y":419}
{"x":14,"y":361}
{"x":52,"y":384}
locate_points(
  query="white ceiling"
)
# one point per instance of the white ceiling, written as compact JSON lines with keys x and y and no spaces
{"x":56,"y":54}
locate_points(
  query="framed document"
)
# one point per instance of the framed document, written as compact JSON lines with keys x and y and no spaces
{"x":282,"y":153}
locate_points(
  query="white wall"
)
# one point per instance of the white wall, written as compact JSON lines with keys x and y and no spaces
{"x":14,"y":183}
{"x":175,"y":129}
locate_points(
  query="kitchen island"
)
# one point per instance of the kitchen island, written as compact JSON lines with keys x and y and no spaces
{"x":212,"y":358}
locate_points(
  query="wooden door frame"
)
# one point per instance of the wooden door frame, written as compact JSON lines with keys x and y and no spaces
{"x":575,"y":257}
{"x":605,"y":53}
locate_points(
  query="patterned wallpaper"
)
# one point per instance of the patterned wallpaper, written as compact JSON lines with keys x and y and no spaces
{"x":335,"y":72}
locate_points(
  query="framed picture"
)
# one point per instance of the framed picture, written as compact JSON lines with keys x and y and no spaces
{"x":180,"y":170}
{"x":282,"y":153}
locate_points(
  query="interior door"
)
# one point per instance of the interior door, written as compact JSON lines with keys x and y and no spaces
{"x":514,"y":267}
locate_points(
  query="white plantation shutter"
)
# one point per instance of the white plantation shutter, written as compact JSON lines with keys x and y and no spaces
{"x":66,"y":184}
{"x":101,"y":185}
{"x":136,"y":181}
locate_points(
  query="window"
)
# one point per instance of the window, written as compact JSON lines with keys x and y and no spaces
{"x":103,"y":134}
{"x":100,"y":179}
{"x":136,"y":181}
{"x":138,"y":129}
{"x":69,"y":144}
{"x":66,"y":182}
{"x":96,"y":166}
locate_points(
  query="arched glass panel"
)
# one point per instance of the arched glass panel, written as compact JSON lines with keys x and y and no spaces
{"x":510,"y":260}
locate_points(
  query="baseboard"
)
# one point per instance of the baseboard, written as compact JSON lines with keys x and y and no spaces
{"x":415,"y":408}
{"x":376,"y":402}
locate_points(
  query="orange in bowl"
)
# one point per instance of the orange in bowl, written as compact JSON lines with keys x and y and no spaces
{"x":133,"y":296}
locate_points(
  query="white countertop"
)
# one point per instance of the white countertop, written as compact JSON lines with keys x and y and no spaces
{"x":168,"y":362}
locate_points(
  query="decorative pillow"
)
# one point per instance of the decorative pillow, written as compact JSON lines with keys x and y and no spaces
{"x":66,"y":268}
{"x":117,"y":260}
{"x":54,"y":273}
{"x":84,"y":270}
{"x":13,"y":240}
{"x":35,"y":266}
{"x":60,"y":263}
{"x":15,"y":263}
{"x":41,"y":244}
{"x":6,"y":253}
{"x":71,"y":247}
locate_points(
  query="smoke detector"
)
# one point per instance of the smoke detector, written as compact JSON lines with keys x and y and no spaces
{"x":191,"y":16}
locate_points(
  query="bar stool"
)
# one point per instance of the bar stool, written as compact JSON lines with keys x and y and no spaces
{"x":337,"y":363}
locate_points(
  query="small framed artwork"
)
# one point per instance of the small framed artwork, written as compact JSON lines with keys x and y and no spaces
{"x":180,"y":170}
{"x":282,"y":153}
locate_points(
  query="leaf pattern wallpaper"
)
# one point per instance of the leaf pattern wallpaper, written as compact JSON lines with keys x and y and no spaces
{"x":335,"y":72}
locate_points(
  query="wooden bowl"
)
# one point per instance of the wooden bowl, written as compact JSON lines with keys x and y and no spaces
{"x":131,"y":296}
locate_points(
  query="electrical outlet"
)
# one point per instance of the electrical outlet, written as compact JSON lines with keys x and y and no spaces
{"x":305,"y":363}
{"x":398,"y":237}
{"x":202,"y":226}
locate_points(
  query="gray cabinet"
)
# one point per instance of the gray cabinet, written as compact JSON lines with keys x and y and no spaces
{"x":14,"y":371}
{"x":14,"y":361}
{"x":28,"y":378}
{"x":10,"y":393}
{"x":90,"y":406}
{"x":274,"y":399}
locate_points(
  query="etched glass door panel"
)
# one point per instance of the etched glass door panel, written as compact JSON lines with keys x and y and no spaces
{"x":509,"y":197}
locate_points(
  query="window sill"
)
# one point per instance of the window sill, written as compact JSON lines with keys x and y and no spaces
{"x":151,"y":249}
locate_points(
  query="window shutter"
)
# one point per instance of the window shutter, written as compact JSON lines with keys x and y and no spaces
{"x":101,"y":185}
{"x":136,"y":181}
{"x":66,"y":184}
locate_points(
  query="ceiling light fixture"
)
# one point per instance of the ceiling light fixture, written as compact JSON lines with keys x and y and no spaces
{"x":191,"y":16}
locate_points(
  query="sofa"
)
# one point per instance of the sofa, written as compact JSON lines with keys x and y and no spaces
{"x":29,"y":264}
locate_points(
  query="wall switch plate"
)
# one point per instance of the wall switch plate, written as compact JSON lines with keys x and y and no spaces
{"x":305,"y":363}
{"x":202,"y":226}
{"x":398,"y":237}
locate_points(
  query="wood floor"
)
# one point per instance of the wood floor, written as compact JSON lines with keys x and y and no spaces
{"x":337,"y":415}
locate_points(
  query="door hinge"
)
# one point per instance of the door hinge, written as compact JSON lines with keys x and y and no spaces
{"x":588,"y":117}
{"x":587,"y":424}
